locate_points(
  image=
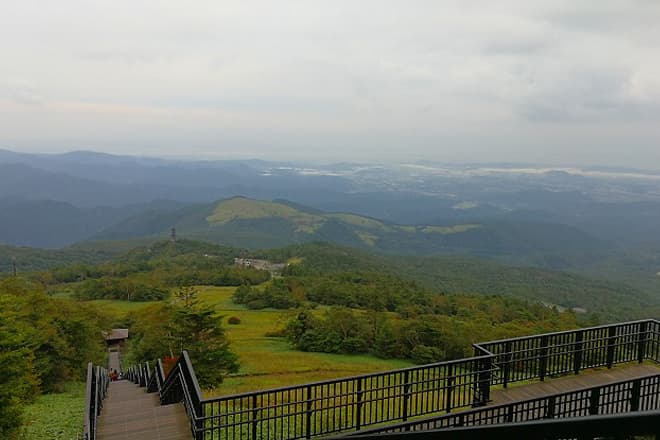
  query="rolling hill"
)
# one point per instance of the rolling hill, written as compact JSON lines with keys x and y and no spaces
{"x":250,"y":223}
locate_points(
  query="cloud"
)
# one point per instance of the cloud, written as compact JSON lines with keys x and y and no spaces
{"x":437,"y":79}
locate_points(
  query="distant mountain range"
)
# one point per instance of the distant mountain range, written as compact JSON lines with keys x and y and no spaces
{"x":602,"y":222}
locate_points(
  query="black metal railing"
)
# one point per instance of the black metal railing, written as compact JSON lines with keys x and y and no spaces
{"x":640,"y":394}
{"x":348,"y":404}
{"x":619,"y":426}
{"x":181,"y":386}
{"x":97,"y":386}
{"x":560,"y":353}
{"x":156,"y":378}
{"x":358,"y":403}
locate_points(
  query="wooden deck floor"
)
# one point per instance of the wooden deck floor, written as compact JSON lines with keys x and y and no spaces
{"x":589,"y":378}
{"x":130,"y":413}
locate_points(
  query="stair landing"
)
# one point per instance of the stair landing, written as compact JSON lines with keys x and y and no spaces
{"x":130,"y":413}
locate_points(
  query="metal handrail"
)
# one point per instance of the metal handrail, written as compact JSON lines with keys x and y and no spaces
{"x":95,"y":392}
{"x":270,"y":413}
{"x":623,"y":396}
{"x":611,"y":426}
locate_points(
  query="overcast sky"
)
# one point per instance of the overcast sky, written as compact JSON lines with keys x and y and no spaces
{"x":556,"y":81}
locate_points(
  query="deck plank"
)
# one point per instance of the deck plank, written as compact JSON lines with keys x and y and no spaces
{"x":586,"y":379}
{"x":130,"y":413}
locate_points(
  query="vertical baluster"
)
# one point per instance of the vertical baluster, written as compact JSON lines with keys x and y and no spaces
{"x":543,"y":357}
{"x":308,"y":424}
{"x":577,"y":352}
{"x":507,"y":364}
{"x":641,"y":341}
{"x":611,"y":345}
{"x":406,"y":391}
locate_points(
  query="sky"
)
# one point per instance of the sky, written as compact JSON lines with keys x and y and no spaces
{"x":556,"y":81}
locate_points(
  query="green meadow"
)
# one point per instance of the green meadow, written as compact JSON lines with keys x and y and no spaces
{"x":267,"y":362}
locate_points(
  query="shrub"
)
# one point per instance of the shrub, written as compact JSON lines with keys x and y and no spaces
{"x":234,"y":320}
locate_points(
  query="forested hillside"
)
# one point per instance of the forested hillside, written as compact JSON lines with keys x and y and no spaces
{"x":253,"y":224}
{"x":609,"y":300}
{"x":44,"y":343}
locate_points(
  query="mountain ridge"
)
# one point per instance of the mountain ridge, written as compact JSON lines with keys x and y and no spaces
{"x":239,"y":221}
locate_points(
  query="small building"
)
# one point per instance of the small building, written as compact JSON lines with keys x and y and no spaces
{"x":117,"y":336}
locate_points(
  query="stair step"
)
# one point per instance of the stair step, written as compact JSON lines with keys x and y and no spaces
{"x":130,"y":413}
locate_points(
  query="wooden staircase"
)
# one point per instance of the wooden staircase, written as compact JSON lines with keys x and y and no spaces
{"x":130,"y":413}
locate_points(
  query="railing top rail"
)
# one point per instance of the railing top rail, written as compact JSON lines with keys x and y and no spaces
{"x":350,"y":378}
{"x":193,"y":376}
{"x":494,"y":408}
{"x":643,"y":422}
{"x":563,"y":332}
{"x":88,"y":401}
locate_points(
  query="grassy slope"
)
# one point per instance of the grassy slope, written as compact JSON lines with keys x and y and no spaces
{"x":267,"y":362}
{"x":271,"y":362}
{"x":55,"y":416}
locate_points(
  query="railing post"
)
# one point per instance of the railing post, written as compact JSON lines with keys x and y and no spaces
{"x":200,"y":422}
{"x":508,"y":357}
{"x":550,"y":409}
{"x":594,"y":401}
{"x":577,"y":352}
{"x":635,"y":394}
{"x":93,"y":412}
{"x":255,"y":413}
{"x":543,"y":358}
{"x":406,"y":391}
{"x":642,"y":336}
{"x":308,"y":427}
{"x":358,"y":406}
{"x":484,"y":367}
{"x":611,"y":345}
{"x":509,"y":414}
{"x":450,"y":388}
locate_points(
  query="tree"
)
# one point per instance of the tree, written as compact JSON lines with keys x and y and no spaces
{"x":187,"y":324}
{"x":197,"y":329}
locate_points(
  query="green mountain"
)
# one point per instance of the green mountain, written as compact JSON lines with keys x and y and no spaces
{"x":254,"y":224}
{"x":30,"y":259}
{"x":610,"y":300}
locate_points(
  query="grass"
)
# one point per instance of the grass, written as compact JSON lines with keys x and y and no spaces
{"x":445,"y":230}
{"x":268,"y":362}
{"x":55,"y":416}
{"x":120,"y":308}
{"x":240,"y":208}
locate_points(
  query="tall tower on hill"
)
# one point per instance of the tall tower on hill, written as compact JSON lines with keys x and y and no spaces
{"x":173,"y":235}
